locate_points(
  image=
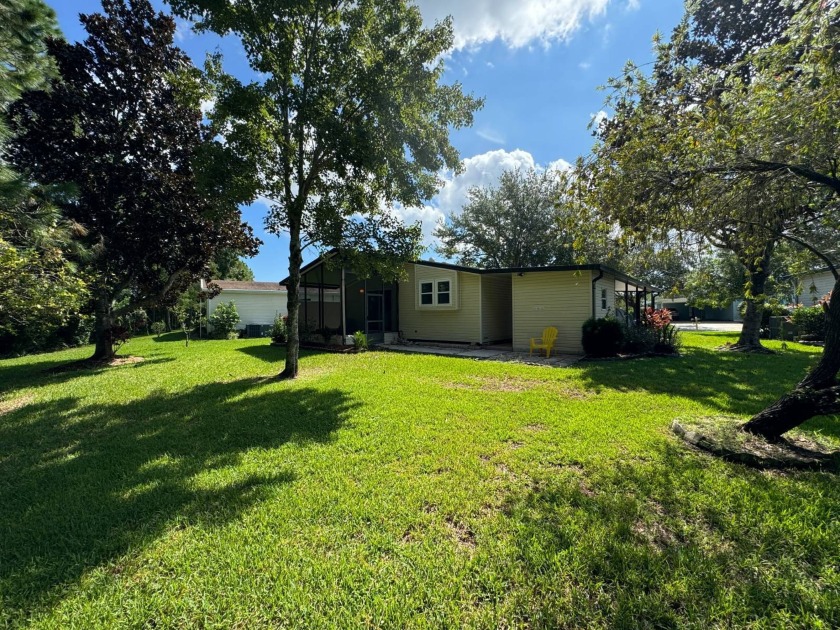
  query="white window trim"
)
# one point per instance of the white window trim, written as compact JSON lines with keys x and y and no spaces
{"x":435,"y":304}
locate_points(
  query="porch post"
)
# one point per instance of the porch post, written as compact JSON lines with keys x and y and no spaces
{"x":343,"y":312}
{"x":626,"y":302}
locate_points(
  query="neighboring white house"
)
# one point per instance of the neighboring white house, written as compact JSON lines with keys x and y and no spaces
{"x":810,"y":287}
{"x":258,"y":303}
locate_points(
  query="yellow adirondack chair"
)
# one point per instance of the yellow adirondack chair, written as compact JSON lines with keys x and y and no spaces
{"x":546,"y":342}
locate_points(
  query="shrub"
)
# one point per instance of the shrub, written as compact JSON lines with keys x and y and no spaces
{"x":602,"y":337}
{"x":279,"y":331}
{"x":328,"y":333}
{"x":224,"y":320}
{"x":638,"y":339}
{"x":809,"y":320}
{"x":158,"y":328}
{"x":662,"y":332}
{"x":360,"y":341}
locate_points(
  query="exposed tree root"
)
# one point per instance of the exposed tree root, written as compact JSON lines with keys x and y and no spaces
{"x":745,"y":348}
{"x":286,"y":375}
{"x":793,"y":409}
{"x":724,"y":438}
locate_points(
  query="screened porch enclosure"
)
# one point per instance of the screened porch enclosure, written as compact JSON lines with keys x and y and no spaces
{"x":336,"y":301}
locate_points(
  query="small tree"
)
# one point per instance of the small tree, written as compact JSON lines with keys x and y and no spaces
{"x":224,"y":320}
{"x":346,"y":119}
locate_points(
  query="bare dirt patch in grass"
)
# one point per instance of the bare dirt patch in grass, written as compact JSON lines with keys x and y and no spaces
{"x":13,"y":404}
{"x":721,"y":436}
{"x":517,"y":384}
{"x":463,"y":535}
{"x":534,"y":428}
{"x":89,"y":364}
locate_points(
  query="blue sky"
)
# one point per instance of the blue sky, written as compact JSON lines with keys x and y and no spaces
{"x":538,"y":63}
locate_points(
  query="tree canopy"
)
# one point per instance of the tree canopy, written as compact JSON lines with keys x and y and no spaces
{"x":510,"y":224}
{"x":742,"y":152}
{"x":121,"y":124}
{"x":348,"y":119}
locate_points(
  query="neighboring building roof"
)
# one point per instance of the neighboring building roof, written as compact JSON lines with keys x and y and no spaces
{"x":238,"y":285}
{"x":637,"y":284}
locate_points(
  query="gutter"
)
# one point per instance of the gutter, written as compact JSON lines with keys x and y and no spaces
{"x":594,"y":282}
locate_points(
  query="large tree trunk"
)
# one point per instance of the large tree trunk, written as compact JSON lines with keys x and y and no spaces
{"x":818,"y":394}
{"x":104,"y":350}
{"x":293,"y":300}
{"x":750,"y":337}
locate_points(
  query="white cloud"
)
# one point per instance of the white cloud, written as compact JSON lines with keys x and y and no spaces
{"x":633,"y":5}
{"x":559,"y":165}
{"x":585,"y":65}
{"x":597,"y":119}
{"x":606,"y":35}
{"x":516,"y":22}
{"x":183,"y":29}
{"x":490,"y":136}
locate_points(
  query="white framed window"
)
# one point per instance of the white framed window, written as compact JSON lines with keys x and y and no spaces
{"x":427,"y":293}
{"x":443,"y":292}
{"x":603,"y":299}
{"x":437,"y":292}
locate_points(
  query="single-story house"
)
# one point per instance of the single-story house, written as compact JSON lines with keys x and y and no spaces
{"x":440,"y":302}
{"x":258,"y":303}
{"x":683,"y":312}
{"x":810,"y":287}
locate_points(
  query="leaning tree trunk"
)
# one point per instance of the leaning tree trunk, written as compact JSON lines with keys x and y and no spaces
{"x":293,"y":301}
{"x":750,"y":337}
{"x":818,"y":394}
{"x":104,"y":350}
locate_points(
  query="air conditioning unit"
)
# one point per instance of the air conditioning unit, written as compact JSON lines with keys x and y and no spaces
{"x":253,"y":330}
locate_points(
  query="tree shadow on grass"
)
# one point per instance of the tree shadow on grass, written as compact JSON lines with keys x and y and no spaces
{"x":676,"y":539}
{"x":276,"y":354}
{"x":730,"y":382}
{"x":16,"y":377}
{"x":82,"y":485}
{"x":265,"y":352}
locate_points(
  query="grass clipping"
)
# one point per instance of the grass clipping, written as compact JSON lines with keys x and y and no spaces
{"x":723,"y":437}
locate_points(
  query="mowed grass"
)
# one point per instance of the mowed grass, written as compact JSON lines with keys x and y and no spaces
{"x":402,"y":491}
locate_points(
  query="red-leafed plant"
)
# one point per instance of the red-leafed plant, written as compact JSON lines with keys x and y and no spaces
{"x":659,"y":322}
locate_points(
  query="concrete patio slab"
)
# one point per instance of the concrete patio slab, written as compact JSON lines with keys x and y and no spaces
{"x":482,"y":354}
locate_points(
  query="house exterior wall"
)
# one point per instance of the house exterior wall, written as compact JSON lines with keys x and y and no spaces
{"x":823,"y":282}
{"x":457,"y":322}
{"x":605,"y":285}
{"x":254,"y":307}
{"x":496,"y":308}
{"x":553,"y":298}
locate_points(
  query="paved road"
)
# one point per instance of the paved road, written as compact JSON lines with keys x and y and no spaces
{"x":710,"y":326}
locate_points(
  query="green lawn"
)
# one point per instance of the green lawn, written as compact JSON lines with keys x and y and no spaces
{"x":385,"y":490}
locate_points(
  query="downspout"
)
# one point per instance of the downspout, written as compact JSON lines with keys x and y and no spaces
{"x":594,"y":282}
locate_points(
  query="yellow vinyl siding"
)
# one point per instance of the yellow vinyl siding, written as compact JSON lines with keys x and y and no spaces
{"x":551,"y":298}
{"x":496,"y":315}
{"x":458,"y":323}
{"x":607,"y":283}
